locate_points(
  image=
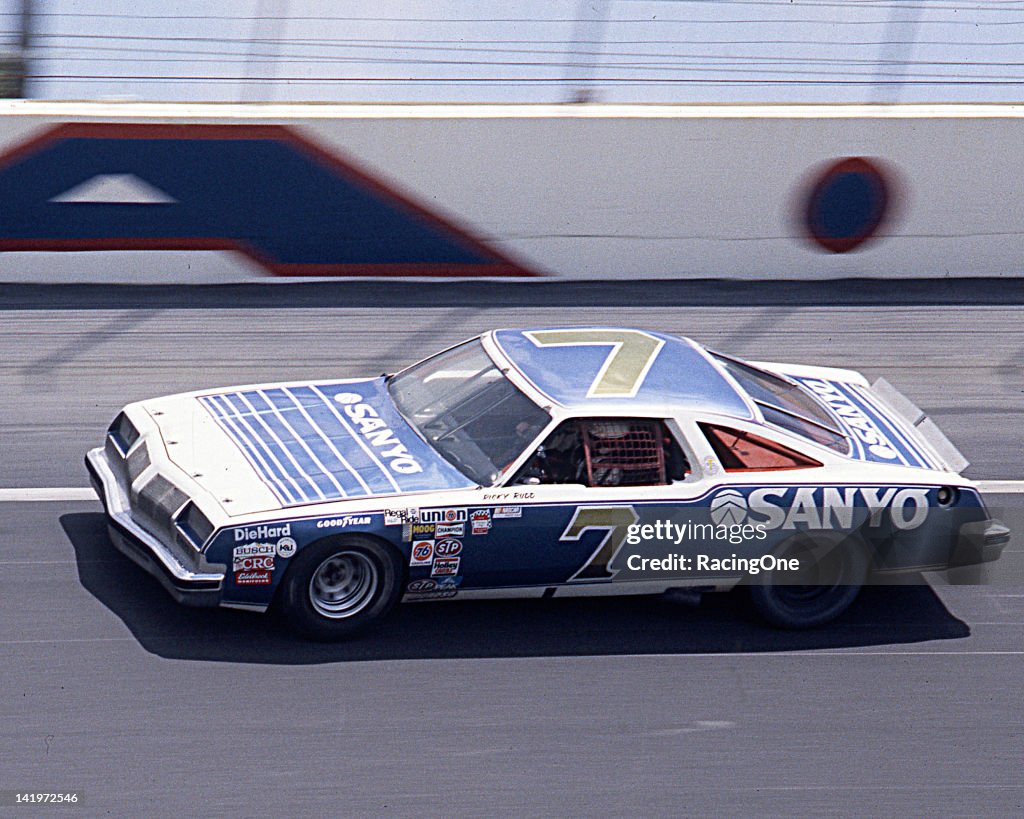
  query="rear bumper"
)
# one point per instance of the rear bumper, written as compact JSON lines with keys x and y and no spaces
{"x":191,"y":586}
{"x":980,"y":542}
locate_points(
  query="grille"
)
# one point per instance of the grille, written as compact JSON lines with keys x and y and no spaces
{"x":624,"y":453}
{"x":137,"y":462}
{"x":155,"y":503}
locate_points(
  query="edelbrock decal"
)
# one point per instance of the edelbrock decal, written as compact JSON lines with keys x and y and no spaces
{"x":378,"y":434}
{"x":783,"y":507}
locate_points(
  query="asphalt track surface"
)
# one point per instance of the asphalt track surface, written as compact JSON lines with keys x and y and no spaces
{"x":910,"y":704}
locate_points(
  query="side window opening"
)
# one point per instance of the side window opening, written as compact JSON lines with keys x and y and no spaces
{"x":745,"y":452}
{"x":607,"y":452}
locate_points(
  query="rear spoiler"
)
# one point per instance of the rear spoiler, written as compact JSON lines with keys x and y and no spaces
{"x":897,"y":403}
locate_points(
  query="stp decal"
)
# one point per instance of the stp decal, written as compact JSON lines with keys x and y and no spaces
{"x":261,"y":190}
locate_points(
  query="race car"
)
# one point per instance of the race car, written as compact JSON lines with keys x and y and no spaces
{"x":539,"y":463}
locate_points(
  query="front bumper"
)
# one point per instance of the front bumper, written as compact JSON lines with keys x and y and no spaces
{"x":198,"y":585}
{"x":980,"y":542}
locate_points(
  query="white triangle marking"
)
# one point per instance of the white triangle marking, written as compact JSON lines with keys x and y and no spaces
{"x":115,"y":188}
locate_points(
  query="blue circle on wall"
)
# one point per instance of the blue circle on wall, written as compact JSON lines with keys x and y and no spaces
{"x":847,"y":204}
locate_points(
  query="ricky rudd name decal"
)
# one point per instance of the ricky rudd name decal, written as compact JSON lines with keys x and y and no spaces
{"x":378,"y":434}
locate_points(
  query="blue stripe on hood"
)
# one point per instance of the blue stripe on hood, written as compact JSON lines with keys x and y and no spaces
{"x":326,"y":442}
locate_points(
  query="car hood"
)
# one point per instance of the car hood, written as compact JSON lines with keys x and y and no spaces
{"x":284,"y":445}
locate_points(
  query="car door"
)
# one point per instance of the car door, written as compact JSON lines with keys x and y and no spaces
{"x":565,"y":516}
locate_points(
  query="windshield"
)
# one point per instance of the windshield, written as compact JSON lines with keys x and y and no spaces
{"x":464,"y":407}
{"x":786,"y":404}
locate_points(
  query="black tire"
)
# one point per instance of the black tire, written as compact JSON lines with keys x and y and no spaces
{"x":833,"y":570}
{"x":339,"y":588}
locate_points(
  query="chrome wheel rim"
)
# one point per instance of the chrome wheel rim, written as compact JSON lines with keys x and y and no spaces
{"x":343,"y":585}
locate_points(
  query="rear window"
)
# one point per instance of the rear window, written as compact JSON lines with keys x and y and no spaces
{"x":744,"y":452}
{"x":786,"y":404}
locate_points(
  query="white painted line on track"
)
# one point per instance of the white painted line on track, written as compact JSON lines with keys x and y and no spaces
{"x":85,"y":493}
{"x":1002,"y":487}
{"x":48,"y":493}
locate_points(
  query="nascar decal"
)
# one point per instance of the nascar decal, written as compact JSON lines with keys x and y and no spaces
{"x":875,"y":437}
{"x":312,"y":443}
{"x":816,"y":507}
{"x":208,"y":187}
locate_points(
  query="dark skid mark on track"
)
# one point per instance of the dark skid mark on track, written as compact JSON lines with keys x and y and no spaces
{"x":393,"y":294}
{"x":497,"y":629}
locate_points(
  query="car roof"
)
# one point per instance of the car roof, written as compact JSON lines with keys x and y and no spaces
{"x":582,"y":369}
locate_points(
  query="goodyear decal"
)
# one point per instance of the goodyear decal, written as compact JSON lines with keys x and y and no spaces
{"x":261,"y":190}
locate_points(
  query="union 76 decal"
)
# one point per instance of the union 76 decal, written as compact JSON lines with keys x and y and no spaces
{"x":615,"y":520}
{"x":630,"y":359}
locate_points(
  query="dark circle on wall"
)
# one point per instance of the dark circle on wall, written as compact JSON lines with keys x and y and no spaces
{"x":847,"y":204}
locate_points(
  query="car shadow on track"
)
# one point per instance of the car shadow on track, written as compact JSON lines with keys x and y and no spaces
{"x":521,"y":628}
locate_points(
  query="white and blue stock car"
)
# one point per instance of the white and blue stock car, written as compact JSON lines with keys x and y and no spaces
{"x":579,"y":461}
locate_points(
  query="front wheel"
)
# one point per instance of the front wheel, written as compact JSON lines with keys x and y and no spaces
{"x":832,"y":571}
{"x":337,"y":589}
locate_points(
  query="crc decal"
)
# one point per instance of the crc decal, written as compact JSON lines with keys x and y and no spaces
{"x":345,"y":522}
{"x":265,"y":191}
{"x":447,"y":548}
{"x":629,"y":360}
{"x":445,"y":566}
{"x":786,"y":507}
{"x":615,"y":522}
{"x":378,"y":434}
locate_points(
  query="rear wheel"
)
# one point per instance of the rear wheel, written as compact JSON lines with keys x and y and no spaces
{"x":832,"y":571}
{"x":337,"y":589}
